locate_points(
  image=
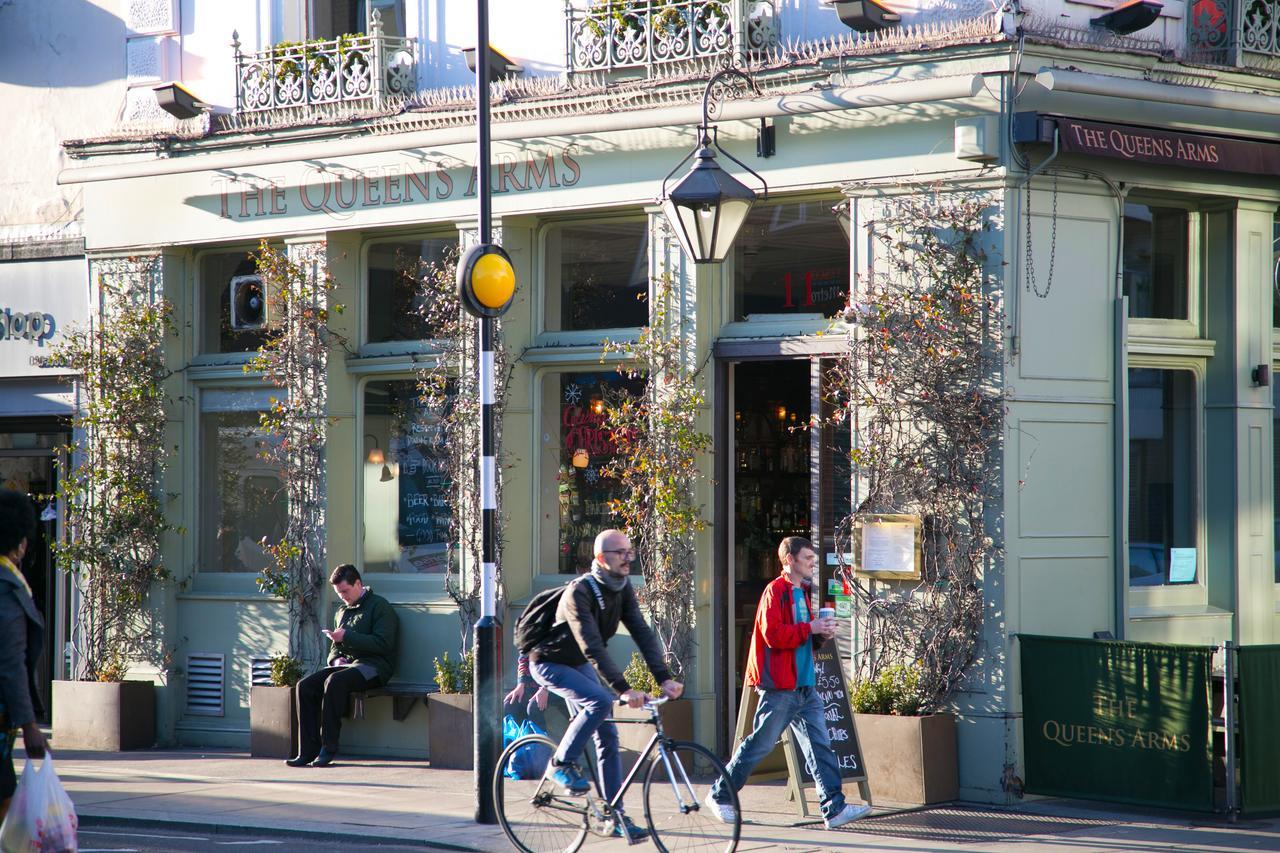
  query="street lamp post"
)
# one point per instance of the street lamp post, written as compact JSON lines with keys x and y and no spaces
{"x":708,"y":206}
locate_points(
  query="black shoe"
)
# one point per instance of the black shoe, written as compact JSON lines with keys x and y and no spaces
{"x":325,"y":758}
{"x":635,"y":831}
{"x":300,"y":760}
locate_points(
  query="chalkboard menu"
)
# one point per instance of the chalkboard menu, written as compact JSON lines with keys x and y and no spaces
{"x":424,"y":490}
{"x":834,"y":692}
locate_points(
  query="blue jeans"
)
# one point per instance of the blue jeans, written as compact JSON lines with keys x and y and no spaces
{"x":802,"y":710}
{"x":591,"y":703}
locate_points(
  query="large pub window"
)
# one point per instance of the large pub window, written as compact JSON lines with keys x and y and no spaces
{"x":790,"y":258}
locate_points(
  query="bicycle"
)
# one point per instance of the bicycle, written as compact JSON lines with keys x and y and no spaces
{"x":538,"y":817}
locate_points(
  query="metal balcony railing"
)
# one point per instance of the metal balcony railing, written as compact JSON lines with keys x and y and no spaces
{"x":348,"y":69}
{"x":607,"y":35}
{"x":1234,"y":32}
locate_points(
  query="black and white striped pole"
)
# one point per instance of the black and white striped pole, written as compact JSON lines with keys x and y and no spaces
{"x":486,"y":285}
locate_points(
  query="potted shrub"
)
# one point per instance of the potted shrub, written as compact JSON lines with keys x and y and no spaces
{"x":113,"y":508}
{"x":273,"y":716}
{"x":449,"y":714}
{"x":910,"y":757}
{"x":677,"y":717}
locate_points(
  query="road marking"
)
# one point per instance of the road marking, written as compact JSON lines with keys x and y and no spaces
{"x":140,"y":835}
{"x":246,"y":843}
{"x":108,"y":850}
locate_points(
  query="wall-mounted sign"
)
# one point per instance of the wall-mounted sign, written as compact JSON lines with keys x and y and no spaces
{"x":41,"y":300}
{"x":888,"y":546}
{"x":1151,"y":145}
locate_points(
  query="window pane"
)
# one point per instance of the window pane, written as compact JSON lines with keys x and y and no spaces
{"x":791,"y":259}
{"x":602,"y":269}
{"x":224,"y":277}
{"x":1275,"y":273}
{"x":1162,"y":477}
{"x":1275,"y":471}
{"x":406,"y":494}
{"x":585,"y":452}
{"x":394,"y":294}
{"x":1155,"y":261}
{"x":245,"y":501}
{"x":392,"y":16}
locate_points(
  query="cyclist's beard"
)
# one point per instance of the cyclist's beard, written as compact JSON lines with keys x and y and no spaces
{"x":608,"y":578}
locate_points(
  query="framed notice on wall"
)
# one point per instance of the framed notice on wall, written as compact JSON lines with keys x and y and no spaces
{"x":887,"y":547}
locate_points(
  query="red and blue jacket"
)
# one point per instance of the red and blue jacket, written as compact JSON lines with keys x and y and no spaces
{"x":776,"y":636}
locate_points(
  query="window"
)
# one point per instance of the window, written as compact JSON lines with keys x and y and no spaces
{"x":583,"y":490}
{"x":1156,"y":261}
{"x":790,"y":258}
{"x":244,"y":501}
{"x":1275,"y":473}
{"x":233,"y":306}
{"x":296,"y":20}
{"x":406,"y":494}
{"x":1163,"y":479}
{"x":597,"y":274}
{"x":1275,"y":272}
{"x":395,"y":298}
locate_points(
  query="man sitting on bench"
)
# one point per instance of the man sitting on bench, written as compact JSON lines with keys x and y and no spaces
{"x":363,"y":656}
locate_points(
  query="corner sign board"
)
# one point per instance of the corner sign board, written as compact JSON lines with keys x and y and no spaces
{"x":888,"y":547}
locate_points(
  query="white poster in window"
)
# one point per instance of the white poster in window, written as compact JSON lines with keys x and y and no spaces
{"x":889,"y":547}
{"x":1182,"y":565}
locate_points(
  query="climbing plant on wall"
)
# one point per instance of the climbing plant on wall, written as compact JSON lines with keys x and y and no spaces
{"x":294,"y":358}
{"x":110,"y":496}
{"x":922,"y":384}
{"x":656,"y":462}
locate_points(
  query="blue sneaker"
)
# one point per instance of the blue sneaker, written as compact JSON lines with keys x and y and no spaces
{"x":636,"y":833}
{"x":568,"y":777}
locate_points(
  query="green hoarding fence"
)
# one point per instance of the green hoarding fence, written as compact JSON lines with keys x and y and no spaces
{"x":1119,"y":721}
{"x":1259,"y":668}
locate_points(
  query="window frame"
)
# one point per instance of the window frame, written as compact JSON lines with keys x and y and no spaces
{"x":1191,"y":327}
{"x":403,"y":347}
{"x":1145,"y":599}
{"x":201,"y":355}
{"x":542,"y":278}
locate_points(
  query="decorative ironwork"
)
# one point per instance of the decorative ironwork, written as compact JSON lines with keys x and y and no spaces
{"x":606,"y":35}
{"x":348,"y":69}
{"x":1231,"y":31}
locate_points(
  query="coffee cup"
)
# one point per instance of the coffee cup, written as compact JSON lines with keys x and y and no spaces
{"x":826,"y":613}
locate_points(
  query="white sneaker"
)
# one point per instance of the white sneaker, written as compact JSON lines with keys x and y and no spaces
{"x":722,"y":812}
{"x":848,"y":814}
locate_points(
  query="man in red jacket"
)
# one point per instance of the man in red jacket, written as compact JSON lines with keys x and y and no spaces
{"x":781,"y":669}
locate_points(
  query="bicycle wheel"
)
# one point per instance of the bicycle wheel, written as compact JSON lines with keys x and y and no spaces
{"x":536,"y":817}
{"x":674,"y":795}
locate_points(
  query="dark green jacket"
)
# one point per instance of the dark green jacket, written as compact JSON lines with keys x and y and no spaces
{"x":371,"y":625}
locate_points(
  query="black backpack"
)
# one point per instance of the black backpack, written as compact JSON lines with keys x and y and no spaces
{"x":539,"y":617}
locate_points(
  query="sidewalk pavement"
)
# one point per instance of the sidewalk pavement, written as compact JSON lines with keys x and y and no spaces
{"x":398,"y":801}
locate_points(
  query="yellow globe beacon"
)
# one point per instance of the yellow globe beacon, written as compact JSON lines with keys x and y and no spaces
{"x":486,"y":280}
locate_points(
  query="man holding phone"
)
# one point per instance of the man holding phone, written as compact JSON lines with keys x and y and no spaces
{"x":362,"y":656}
{"x":780,"y":667}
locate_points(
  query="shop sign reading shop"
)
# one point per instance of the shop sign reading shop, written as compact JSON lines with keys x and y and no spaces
{"x":340,"y":193}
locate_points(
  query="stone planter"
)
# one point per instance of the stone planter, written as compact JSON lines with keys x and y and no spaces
{"x":909,"y":759}
{"x":677,"y":722}
{"x":273,"y":722}
{"x":108,"y":716}
{"x":450,"y":731}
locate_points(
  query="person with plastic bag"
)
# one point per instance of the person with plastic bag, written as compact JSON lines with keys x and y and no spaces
{"x":21,"y":640}
{"x":530,"y":760}
{"x":41,"y":818}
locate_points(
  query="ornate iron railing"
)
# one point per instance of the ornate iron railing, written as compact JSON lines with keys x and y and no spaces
{"x":348,"y":69}
{"x":1233,"y":32}
{"x":605,"y":35}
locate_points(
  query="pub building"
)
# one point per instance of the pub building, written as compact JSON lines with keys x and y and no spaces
{"x":1133,"y":195}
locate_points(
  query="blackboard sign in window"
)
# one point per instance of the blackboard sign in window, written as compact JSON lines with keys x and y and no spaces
{"x":406,"y":493}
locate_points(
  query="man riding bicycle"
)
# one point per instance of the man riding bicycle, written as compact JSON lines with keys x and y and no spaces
{"x":586,"y":617}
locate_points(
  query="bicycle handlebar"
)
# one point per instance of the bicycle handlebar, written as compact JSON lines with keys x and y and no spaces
{"x":651,"y":702}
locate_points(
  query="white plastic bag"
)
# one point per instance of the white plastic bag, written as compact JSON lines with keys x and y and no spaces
{"x":41,"y":817}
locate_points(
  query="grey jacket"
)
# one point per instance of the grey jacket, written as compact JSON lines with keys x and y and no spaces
{"x":21,"y":641}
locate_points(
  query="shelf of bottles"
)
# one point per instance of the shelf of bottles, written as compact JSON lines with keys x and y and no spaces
{"x":771,"y":470}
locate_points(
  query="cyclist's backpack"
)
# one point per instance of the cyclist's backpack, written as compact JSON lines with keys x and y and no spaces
{"x":539,"y":617}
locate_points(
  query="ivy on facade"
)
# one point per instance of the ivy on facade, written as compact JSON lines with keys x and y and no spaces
{"x":110,"y":495}
{"x":449,"y":391}
{"x":656,"y":463}
{"x":922,"y":383}
{"x":294,"y":358}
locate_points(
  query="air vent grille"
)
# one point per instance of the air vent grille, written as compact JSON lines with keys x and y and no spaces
{"x":260,"y":672}
{"x":206,"y":684}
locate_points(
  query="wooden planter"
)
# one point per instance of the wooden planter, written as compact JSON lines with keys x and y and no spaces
{"x":450,"y":731}
{"x":273,"y":722}
{"x":677,"y":722}
{"x":910,"y":759}
{"x":108,"y":716}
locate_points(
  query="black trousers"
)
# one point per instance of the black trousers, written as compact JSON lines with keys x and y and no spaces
{"x":322,"y":700}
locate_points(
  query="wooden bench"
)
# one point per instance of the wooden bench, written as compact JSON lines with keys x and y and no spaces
{"x":404,"y":695}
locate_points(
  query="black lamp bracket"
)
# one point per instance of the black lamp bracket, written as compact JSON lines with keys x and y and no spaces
{"x":727,"y":84}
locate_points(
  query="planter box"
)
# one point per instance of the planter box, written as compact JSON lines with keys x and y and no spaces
{"x":677,"y":722}
{"x":109,"y":716}
{"x":450,"y":731}
{"x":909,"y":759}
{"x":273,"y":722}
